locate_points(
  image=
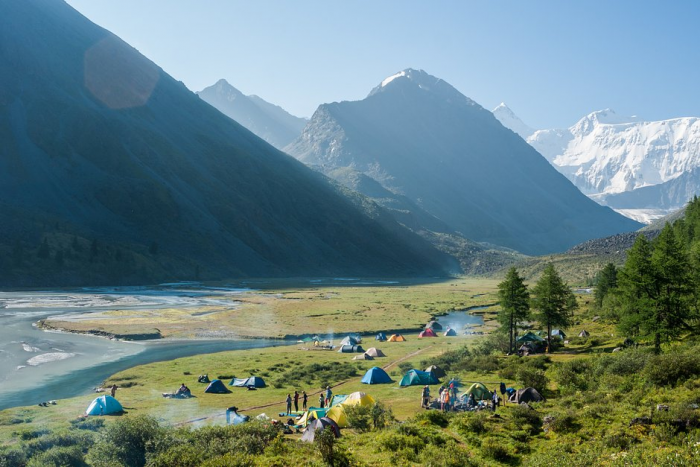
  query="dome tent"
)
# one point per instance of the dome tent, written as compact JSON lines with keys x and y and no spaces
{"x":427,"y":333}
{"x":436,"y":370}
{"x":349,"y":340}
{"x":104,"y":405}
{"x":434,"y":325}
{"x":417,"y":377}
{"x":363,"y":356}
{"x":217,"y":387}
{"x":397,"y":338}
{"x":450,"y":332}
{"x":381,"y":337}
{"x":479,"y":390}
{"x":376,"y":375}
{"x":317,"y":425}
{"x":526,"y":395}
{"x":375,"y":352}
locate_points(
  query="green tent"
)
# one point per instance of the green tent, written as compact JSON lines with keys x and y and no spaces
{"x":529,"y":337}
{"x":479,"y":390}
{"x":418,"y":378}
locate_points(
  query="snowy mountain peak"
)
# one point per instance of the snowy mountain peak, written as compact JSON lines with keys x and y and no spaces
{"x":423,"y":81}
{"x":508,"y":119}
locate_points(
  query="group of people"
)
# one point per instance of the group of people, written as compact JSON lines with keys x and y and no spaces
{"x":447,"y":397}
{"x":324,"y":400}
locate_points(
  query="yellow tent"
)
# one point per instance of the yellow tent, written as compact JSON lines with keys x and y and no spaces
{"x":397,"y":338}
{"x":358,"y":398}
{"x":311,"y":415}
{"x":337,"y":414}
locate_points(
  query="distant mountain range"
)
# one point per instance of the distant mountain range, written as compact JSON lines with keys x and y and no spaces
{"x":270,"y":122}
{"x":111,"y":171}
{"x":424,"y":142}
{"x":644,"y":169}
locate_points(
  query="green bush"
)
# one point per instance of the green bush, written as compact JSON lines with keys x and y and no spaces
{"x":574,"y":375}
{"x":470,"y":422}
{"x":59,"y":457}
{"x":449,"y":456}
{"x":60,"y":438}
{"x":532,"y":377}
{"x":88,"y":423}
{"x":359,"y":417}
{"x":525,"y":419}
{"x":12,"y":457}
{"x":563,"y":422}
{"x":405,"y":366}
{"x":433,"y":417}
{"x":125,"y":442}
{"x":673,"y":368}
{"x":494,"y":448}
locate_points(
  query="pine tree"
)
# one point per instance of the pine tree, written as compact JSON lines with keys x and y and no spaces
{"x":515,"y":303}
{"x":606,"y":281}
{"x":553,"y":301}
{"x":656,"y":290}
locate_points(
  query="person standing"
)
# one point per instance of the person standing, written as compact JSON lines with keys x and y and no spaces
{"x":304,"y":400}
{"x":289,"y":404}
{"x":503,"y":393}
{"x":453,"y":390}
{"x":443,"y":399}
{"x":296,"y":401}
{"x":425,"y":397}
{"x":494,"y":400}
{"x":329,"y":395}
{"x":113,"y":389}
{"x":320,"y":400}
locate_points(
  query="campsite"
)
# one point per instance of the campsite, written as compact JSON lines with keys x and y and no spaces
{"x":564,"y":415}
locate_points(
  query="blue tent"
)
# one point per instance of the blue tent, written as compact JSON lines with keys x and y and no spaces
{"x":381,"y":337}
{"x":376,"y":375}
{"x":253,"y":381}
{"x":234,"y":418}
{"x":104,"y":405}
{"x":216,"y":387}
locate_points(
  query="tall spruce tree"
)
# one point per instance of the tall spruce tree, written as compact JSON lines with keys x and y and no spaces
{"x":553,"y":301}
{"x":515,"y":303}
{"x":605,"y":281}
{"x":656,"y":289}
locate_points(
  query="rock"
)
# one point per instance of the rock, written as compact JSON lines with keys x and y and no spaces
{"x":662,"y":408}
{"x":617,"y":349}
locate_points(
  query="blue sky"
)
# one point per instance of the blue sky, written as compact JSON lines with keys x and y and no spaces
{"x":551,"y":61}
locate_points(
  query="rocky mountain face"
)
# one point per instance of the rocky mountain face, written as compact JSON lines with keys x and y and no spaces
{"x":420,"y":138}
{"x":644,"y":169}
{"x":270,"y":122}
{"x":509,"y":120}
{"x":110,"y":168}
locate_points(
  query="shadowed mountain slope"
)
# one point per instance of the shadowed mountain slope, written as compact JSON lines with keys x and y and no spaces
{"x":100,"y":145}
{"x":421,"y":138}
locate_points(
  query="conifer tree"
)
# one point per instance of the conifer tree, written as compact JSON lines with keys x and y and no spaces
{"x":553,"y":301}
{"x":515,"y":303}
{"x":606,"y":281}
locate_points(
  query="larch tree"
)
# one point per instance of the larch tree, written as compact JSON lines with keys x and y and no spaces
{"x":606,"y":281}
{"x":554,"y":302}
{"x":514,"y":299}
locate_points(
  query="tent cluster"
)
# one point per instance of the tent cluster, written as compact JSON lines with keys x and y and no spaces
{"x":336,"y":412}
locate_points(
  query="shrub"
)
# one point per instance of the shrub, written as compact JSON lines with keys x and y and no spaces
{"x":28,"y":433}
{"x":526,"y":419}
{"x":574,"y":375}
{"x":381,"y":415}
{"x":230,"y":459}
{"x":673,"y":368}
{"x":532,"y":377}
{"x":62,"y":438}
{"x":449,"y":456}
{"x":88,"y":423}
{"x":12,"y":457}
{"x":471,"y":422}
{"x":125,"y":442}
{"x":433,"y":417}
{"x":495,"y":449}
{"x":405,"y":366}
{"x":359,"y":417}
{"x":562,"y":422}
{"x":59,"y":457}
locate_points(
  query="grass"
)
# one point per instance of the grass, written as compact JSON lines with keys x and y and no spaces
{"x":287,"y":308}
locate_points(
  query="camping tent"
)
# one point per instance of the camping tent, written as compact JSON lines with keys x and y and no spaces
{"x":254,"y":381}
{"x":316,"y":426}
{"x":427,"y":333}
{"x":436,"y":370}
{"x":450,"y":332}
{"x":397,"y":338}
{"x":381,"y":337}
{"x":234,"y":418}
{"x":312,"y":414}
{"x":349,"y":340}
{"x":418,"y":378}
{"x":358,"y":398}
{"x":363,"y":356}
{"x":376,"y":375}
{"x":337,"y":414}
{"x":104,"y":405}
{"x":351,"y":349}
{"x":529,"y":337}
{"x":216,"y":387}
{"x":479,"y":390}
{"x":558,"y":333}
{"x":526,"y":395}
{"x":584,"y":333}
{"x":434,"y":325}
{"x":375,"y":352}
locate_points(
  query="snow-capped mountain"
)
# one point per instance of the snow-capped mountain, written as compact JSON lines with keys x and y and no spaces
{"x":509,"y":120}
{"x":615,"y":159}
{"x":429,"y":144}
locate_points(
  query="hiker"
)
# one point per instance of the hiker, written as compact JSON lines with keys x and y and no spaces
{"x":296,"y":401}
{"x":425,"y":397}
{"x":453,"y":390}
{"x":289,"y":404}
{"x":442,"y":386}
{"x":494,"y":400}
{"x":471,"y":402}
{"x":304,"y":399}
{"x":444,"y":398}
{"x":320,"y":400}
{"x":503,"y":393}
{"x":113,"y":389}
{"x":329,"y":394}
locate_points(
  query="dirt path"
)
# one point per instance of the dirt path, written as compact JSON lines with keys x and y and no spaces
{"x":273,"y":404}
